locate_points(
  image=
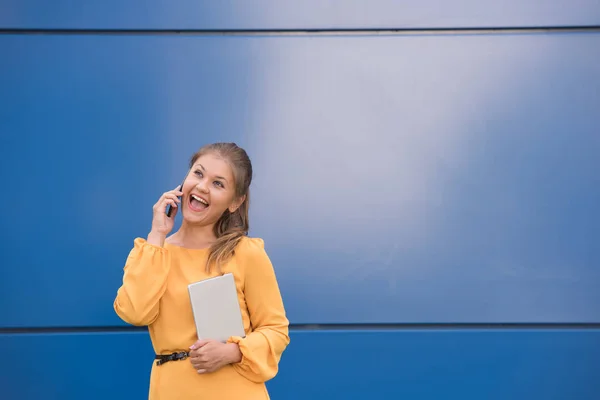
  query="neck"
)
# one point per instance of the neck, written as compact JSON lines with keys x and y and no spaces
{"x":194,"y":236}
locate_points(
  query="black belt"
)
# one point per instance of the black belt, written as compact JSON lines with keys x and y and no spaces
{"x":163,"y":358}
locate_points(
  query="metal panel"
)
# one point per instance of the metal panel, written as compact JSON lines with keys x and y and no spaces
{"x":449,"y":364}
{"x":308,"y":14}
{"x":517,"y":365}
{"x":398,"y":178}
{"x":76,"y":366}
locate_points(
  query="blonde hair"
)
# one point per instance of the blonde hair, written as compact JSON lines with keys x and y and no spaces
{"x":230,"y":228}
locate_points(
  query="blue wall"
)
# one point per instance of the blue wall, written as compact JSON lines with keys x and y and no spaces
{"x":424,"y":177}
{"x":298,"y":15}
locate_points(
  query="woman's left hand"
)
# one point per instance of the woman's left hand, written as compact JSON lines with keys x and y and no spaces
{"x":209,"y":355}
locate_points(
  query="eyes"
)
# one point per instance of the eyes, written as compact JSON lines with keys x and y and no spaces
{"x":218,"y":184}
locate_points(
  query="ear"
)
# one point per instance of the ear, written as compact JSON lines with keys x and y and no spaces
{"x":236,"y":204}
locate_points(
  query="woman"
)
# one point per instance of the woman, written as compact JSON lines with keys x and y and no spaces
{"x":214,"y":202}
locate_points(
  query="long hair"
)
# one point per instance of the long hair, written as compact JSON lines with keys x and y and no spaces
{"x":230,"y":228}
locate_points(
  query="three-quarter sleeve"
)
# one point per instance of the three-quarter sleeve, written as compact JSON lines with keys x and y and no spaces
{"x":263,"y":347}
{"x":144,"y":282}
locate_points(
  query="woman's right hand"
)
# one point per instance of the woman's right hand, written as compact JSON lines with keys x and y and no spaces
{"x":161,"y":224}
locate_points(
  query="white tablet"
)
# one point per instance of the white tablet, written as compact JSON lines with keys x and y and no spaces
{"x":216,"y":308}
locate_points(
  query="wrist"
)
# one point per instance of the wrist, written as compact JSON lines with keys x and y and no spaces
{"x":233,"y":354}
{"x":156,"y":238}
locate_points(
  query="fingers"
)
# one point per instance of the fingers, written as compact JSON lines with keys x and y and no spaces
{"x":172,"y":194}
{"x":171,"y":212}
{"x":198,"y":353}
{"x":200,"y":362}
{"x":199,"y":344}
{"x":168,"y":198}
{"x":170,"y":202}
{"x":203,"y":368}
{"x":199,"y":357}
{"x":205,"y":357}
{"x":177,"y":191}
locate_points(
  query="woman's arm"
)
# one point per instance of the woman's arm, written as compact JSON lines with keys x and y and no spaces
{"x":261,"y":349}
{"x":147,"y":267}
{"x":144,"y":281}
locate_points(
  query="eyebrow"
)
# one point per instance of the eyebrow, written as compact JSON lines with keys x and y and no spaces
{"x":218,"y":177}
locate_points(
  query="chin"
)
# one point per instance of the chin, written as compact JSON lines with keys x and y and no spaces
{"x":203,"y":219}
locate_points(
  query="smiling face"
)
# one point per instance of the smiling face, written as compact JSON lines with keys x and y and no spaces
{"x":209,"y":190}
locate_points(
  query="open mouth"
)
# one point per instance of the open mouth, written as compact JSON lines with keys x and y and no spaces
{"x":197,"y":203}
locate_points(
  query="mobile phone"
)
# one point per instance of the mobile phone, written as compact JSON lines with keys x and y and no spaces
{"x":169,"y":207}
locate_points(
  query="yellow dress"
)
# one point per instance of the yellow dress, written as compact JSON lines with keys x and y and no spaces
{"x":154,"y":293}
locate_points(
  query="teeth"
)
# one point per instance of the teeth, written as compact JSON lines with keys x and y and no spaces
{"x":199,"y":199}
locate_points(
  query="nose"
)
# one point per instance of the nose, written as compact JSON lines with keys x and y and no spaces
{"x":201,"y":186}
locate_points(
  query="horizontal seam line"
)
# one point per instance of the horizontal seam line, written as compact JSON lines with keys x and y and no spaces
{"x":326,"y":327}
{"x":433,"y":326}
{"x":347,"y":31}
